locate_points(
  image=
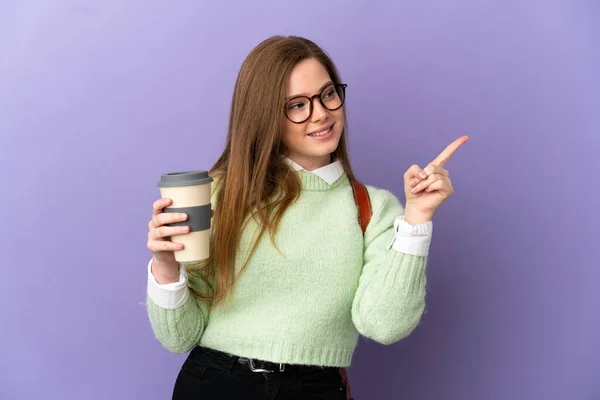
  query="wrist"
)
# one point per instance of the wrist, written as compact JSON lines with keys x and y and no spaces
{"x":165,"y":272}
{"x":416,"y":217}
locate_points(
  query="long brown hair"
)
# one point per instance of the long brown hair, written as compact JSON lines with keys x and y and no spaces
{"x":250,"y":175}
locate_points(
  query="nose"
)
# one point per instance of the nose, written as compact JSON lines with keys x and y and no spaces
{"x":319,"y":112}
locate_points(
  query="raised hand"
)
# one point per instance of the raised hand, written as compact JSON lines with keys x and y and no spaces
{"x":426,"y":189}
{"x":164,"y":267}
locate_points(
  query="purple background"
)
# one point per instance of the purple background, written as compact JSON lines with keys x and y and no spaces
{"x":97,"y":99}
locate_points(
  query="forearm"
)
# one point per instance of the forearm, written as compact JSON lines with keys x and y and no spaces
{"x":390,"y":299}
{"x":178,"y":330}
{"x":176,"y":315}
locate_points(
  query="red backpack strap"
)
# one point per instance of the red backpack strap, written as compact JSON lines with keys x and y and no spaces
{"x":363,"y":202}
{"x":346,"y":383}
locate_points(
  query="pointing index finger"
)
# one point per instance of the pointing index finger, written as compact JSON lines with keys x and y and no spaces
{"x":449,"y":151}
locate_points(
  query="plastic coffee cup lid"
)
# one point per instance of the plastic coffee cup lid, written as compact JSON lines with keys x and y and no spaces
{"x":185,"y":178}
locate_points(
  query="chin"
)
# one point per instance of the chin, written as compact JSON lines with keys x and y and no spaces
{"x":324,"y":149}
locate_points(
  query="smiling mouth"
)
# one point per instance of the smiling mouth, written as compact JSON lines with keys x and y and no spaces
{"x":322,"y":132}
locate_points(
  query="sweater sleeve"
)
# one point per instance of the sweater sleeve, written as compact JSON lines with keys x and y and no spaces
{"x":179,"y":328}
{"x":177,"y":316}
{"x":390,"y":298}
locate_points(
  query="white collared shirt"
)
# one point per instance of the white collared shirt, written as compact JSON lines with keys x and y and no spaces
{"x":329,"y":173}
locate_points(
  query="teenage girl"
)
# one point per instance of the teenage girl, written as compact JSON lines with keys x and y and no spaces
{"x":292,"y":281}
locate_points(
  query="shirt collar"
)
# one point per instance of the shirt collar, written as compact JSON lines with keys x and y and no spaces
{"x":329,"y":173}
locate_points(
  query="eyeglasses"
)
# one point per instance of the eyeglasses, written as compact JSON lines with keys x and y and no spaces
{"x":300,"y":108}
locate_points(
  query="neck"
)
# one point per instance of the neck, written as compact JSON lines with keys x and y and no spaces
{"x":311,"y":163}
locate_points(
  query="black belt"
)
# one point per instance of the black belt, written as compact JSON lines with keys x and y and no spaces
{"x":264,"y":367}
{"x":259,"y":366}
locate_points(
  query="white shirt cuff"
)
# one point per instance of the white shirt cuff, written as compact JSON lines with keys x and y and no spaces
{"x":412,"y":239}
{"x":168,"y":295}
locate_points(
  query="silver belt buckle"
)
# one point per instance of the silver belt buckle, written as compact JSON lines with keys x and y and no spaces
{"x":265,"y":371}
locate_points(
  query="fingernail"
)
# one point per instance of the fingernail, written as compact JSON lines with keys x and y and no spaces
{"x":183,"y":215}
{"x":422,"y":175}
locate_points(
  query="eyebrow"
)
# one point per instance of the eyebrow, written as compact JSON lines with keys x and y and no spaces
{"x":304,"y":94}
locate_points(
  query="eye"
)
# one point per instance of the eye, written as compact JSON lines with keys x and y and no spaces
{"x":295,"y":106}
{"x":329,"y":93}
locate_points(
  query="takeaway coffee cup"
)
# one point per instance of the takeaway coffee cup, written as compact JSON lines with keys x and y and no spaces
{"x":190,"y":192}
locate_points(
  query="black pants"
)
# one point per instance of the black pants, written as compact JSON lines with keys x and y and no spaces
{"x":210,"y":375}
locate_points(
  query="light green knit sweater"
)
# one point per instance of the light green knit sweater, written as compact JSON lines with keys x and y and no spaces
{"x":309,"y":304}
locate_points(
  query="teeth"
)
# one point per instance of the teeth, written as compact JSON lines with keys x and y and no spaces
{"x":320,"y":133}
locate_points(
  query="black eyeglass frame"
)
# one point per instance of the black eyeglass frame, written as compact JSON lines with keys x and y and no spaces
{"x":318,"y":95}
